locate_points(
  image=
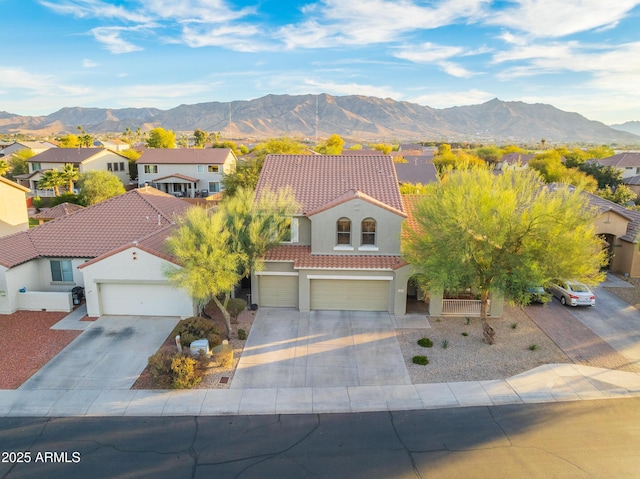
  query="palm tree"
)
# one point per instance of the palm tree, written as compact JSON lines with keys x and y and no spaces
{"x":70,"y":174}
{"x":4,"y":167}
{"x":52,"y":179}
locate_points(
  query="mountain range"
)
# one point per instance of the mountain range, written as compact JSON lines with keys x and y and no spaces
{"x":355,"y":117}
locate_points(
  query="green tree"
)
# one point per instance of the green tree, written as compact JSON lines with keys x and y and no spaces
{"x":279,"y":146}
{"x":599,"y":152}
{"x":51,"y":179}
{"x":216,"y":250}
{"x":97,"y":186}
{"x":200,"y":137}
{"x":489,"y":153}
{"x":19,"y":162}
{"x":575,"y":177}
{"x":549,"y":165}
{"x":574,"y":157}
{"x":502,"y":233}
{"x":333,"y":145}
{"x":69,"y":174}
{"x":384,"y":148}
{"x":246,"y":175}
{"x":604,"y":175}
{"x":621,"y":194}
{"x":161,"y":138}
{"x":4,"y":168}
{"x":69,"y":141}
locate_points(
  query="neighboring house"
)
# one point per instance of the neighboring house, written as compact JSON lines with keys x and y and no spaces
{"x":58,"y":211}
{"x":627,"y":163}
{"x":84,"y":159}
{"x":514,"y":161}
{"x":114,"y":249}
{"x":13,"y":207}
{"x":184,"y":171}
{"x":633,"y":182}
{"x":417,"y":169}
{"x":343,"y":251}
{"x":113,"y":145}
{"x":35,"y":146}
{"x":361,"y":152}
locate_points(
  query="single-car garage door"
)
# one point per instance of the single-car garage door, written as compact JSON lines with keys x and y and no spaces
{"x":144,"y":299}
{"x":349,"y":295}
{"x":278,"y":291}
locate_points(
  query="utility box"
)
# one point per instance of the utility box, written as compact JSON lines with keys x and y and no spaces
{"x":199,"y":345}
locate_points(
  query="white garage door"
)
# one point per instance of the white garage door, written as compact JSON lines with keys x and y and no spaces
{"x":278,"y":291}
{"x":144,"y":299}
{"x":349,"y":295}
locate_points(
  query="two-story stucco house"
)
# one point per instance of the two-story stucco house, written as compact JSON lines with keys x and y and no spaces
{"x":35,"y":146}
{"x":186,"y":171}
{"x":344,"y":248}
{"x":84,"y":159}
{"x":627,"y":163}
{"x":13,"y":207}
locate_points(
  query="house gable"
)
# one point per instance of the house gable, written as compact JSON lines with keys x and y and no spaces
{"x":13,"y":207}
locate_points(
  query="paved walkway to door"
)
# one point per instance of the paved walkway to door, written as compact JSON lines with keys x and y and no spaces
{"x":292,"y":349}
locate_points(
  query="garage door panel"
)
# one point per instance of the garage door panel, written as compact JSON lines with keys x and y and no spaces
{"x":278,"y":291}
{"x":144,"y":300}
{"x":350,"y":295}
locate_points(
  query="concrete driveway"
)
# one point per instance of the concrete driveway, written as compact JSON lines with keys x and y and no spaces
{"x":291,"y":349}
{"x":110,"y":354}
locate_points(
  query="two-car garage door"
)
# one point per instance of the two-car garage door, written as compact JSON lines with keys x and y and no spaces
{"x":349,"y":295}
{"x":144,"y":299}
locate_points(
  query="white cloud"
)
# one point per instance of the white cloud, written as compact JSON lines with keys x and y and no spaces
{"x":96,"y":9}
{"x":111,"y":38}
{"x":316,"y":86}
{"x":87,"y":63}
{"x":235,"y":37}
{"x":195,"y":11}
{"x":553,"y":18}
{"x":438,"y":55}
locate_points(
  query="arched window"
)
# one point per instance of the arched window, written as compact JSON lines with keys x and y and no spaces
{"x":368,"y":231}
{"x":344,"y":231}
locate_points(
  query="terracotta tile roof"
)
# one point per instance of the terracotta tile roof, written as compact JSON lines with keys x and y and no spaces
{"x":65,"y":155}
{"x":184,"y":156}
{"x":303,"y":259}
{"x":317,"y":180}
{"x":95,"y":230}
{"x":621,"y":160}
{"x":63,"y":209}
{"x":410,"y":202}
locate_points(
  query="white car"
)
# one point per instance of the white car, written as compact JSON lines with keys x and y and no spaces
{"x":572,"y":293}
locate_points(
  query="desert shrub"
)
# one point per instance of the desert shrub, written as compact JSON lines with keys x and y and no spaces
{"x":223,"y":355}
{"x":38,"y":203}
{"x":197,"y":327}
{"x":242,"y":334}
{"x":425,"y":342}
{"x":160,"y":368}
{"x":235,"y":306}
{"x":183,"y":372}
{"x":514,"y":325}
{"x":445,"y":344}
{"x":533,"y":347}
{"x":422,"y":360}
{"x":465,"y":334}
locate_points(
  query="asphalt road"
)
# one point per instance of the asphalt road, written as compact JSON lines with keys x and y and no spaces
{"x":586,"y":439}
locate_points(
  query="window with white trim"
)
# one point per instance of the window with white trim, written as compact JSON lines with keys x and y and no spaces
{"x":213,"y":168}
{"x":291,"y":231}
{"x":343,"y":228}
{"x":368,"y":232}
{"x":61,"y":270}
{"x":214,"y":187}
{"x":150,"y":168}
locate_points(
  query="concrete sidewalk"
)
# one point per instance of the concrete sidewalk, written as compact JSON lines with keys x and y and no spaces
{"x":548,"y":383}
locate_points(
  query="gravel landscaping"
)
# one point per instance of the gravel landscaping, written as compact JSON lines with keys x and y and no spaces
{"x":27,"y":344}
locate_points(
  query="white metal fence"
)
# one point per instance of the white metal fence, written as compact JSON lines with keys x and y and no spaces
{"x":461,"y":307}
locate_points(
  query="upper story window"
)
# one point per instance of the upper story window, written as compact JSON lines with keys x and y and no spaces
{"x":368,"y":231}
{"x":35,"y":166}
{"x":291,"y":231}
{"x":150,"y":168}
{"x":115,"y":166}
{"x":201,"y":168}
{"x":344,"y":231}
{"x":61,"y":270}
{"x":213,"y":168}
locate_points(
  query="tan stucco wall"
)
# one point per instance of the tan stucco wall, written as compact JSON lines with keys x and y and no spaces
{"x":611,"y":223}
{"x":13,"y":210}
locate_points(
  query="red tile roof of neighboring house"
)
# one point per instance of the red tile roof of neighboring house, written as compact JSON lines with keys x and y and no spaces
{"x":410,"y":202}
{"x":63,"y":209}
{"x":317,"y":180}
{"x":66,"y":155}
{"x":303,"y":259}
{"x":184,"y":156}
{"x":95,"y":230}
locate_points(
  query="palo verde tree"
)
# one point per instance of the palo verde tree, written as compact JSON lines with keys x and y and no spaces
{"x":161,"y":138}
{"x":217,"y":249}
{"x":501,"y":234}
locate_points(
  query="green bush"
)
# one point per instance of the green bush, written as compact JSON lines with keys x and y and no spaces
{"x":465,"y":334}
{"x":223,"y":356}
{"x":422,"y":360}
{"x":38,"y":203}
{"x":533,"y":347}
{"x":242,"y":334}
{"x":183,"y":372}
{"x":65,"y":198}
{"x":197,"y":327}
{"x":160,"y":368}
{"x":445,"y":344}
{"x":235,"y":307}
{"x":425,"y":342}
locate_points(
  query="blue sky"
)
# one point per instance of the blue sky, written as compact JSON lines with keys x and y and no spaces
{"x":578,"y":55}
